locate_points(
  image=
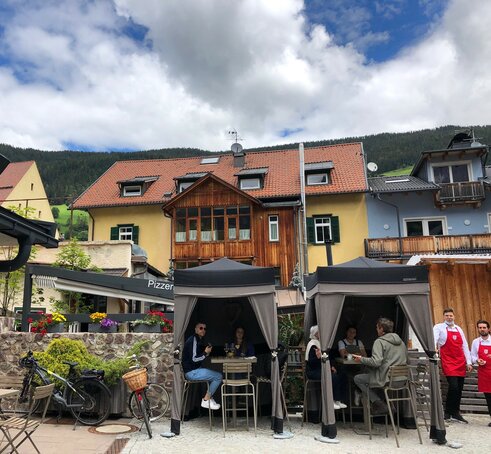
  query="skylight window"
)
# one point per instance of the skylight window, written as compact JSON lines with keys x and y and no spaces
{"x":213,"y":160}
{"x":402,"y":180}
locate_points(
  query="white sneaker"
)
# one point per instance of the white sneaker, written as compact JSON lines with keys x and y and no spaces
{"x":210,"y":404}
{"x":357,"y":399}
{"x":340,"y":404}
{"x":336,"y":406}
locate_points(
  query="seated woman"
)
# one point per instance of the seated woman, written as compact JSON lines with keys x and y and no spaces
{"x":313,"y":368}
{"x":240,"y":345}
{"x":350,"y":345}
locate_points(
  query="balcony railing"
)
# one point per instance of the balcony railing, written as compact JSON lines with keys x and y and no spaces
{"x":386,"y":248}
{"x":465,"y":192}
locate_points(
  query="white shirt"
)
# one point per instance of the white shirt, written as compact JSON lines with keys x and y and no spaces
{"x":341,"y":345}
{"x":475,"y":347}
{"x":440,"y":334}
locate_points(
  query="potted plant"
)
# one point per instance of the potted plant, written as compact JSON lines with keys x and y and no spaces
{"x":153,"y":322}
{"x":48,"y":323}
{"x":101,"y":323}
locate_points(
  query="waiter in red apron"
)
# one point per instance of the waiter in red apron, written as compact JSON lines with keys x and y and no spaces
{"x":481,"y":355}
{"x":456,"y":360}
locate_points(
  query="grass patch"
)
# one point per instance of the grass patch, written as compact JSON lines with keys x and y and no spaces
{"x":63,"y":219}
{"x":397,"y":172}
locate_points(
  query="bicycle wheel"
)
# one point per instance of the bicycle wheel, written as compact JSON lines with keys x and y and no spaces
{"x":158,"y":400}
{"x":89,"y":401}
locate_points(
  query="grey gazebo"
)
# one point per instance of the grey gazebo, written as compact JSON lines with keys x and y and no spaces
{"x":371,"y":281}
{"x":222,"y":293}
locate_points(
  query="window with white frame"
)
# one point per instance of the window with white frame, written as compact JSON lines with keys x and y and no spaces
{"x":425,"y":226}
{"x":132,"y":191}
{"x":250,"y":183}
{"x":322,"y":229}
{"x":274,"y":233}
{"x":126,"y":233}
{"x":317,"y":178}
{"x":456,"y":172}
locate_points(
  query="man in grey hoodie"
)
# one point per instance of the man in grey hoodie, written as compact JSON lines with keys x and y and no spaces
{"x":388,"y":350}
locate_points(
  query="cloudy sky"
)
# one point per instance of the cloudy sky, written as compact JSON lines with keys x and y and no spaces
{"x":140,"y":74}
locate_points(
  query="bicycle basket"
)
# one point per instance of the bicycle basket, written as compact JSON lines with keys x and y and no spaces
{"x":136,"y":379}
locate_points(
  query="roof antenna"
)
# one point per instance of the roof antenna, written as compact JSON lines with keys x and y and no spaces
{"x":236,"y":146}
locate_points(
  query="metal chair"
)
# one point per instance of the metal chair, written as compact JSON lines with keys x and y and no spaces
{"x":308,"y":382}
{"x":237,"y":383}
{"x":421,"y":390}
{"x":8,"y":404}
{"x":25,"y":425}
{"x":399,"y":389}
{"x":185,"y":392}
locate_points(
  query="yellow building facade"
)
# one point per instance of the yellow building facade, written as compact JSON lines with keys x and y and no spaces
{"x":154,"y":229}
{"x":353,"y":227}
{"x":29,"y":191}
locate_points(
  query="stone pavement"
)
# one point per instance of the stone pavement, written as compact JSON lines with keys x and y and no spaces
{"x":196,"y":438}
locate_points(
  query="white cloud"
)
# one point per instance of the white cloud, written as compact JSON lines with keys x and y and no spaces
{"x":74,"y":76}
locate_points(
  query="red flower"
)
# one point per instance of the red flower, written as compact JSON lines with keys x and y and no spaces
{"x":33,"y":329}
{"x":30,"y":320}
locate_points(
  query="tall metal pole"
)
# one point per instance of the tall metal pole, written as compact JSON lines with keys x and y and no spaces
{"x":305,"y":257}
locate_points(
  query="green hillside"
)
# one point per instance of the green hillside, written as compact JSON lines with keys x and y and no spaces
{"x":397,"y":172}
{"x":80,"y":222}
{"x":66,"y":174}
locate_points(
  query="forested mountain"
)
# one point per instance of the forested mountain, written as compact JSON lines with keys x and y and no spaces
{"x":67,"y":173}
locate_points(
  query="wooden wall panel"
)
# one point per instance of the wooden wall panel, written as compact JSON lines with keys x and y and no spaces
{"x":466,"y":288}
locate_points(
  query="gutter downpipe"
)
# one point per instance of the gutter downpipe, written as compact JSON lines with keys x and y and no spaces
{"x":398,"y":222}
{"x":304,"y":250}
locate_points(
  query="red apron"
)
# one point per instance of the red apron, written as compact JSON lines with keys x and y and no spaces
{"x":484,"y":372}
{"x":452,"y":355}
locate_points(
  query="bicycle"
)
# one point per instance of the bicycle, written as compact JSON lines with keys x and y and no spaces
{"x":86,"y":396}
{"x":147,"y":402}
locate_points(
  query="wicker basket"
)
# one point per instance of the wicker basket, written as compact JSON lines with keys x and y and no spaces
{"x":136,"y":379}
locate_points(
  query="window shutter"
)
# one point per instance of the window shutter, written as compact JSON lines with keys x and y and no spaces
{"x":335,"y":229}
{"x":114,"y":233}
{"x":310,"y":231}
{"x":135,"y":234}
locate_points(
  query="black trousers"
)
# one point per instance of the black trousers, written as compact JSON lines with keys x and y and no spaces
{"x":454,"y":395}
{"x":488,"y":401}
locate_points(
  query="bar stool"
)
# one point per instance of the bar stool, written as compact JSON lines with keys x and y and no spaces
{"x":421,"y":390}
{"x":237,"y":383}
{"x":185,"y":392}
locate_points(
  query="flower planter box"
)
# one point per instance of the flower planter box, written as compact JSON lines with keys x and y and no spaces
{"x":57,"y":328}
{"x":97,"y":328}
{"x":142,"y":328}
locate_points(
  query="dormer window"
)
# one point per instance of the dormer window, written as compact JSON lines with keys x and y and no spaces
{"x":132,"y":191}
{"x":252,"y":178}
{"x":136,"y":186}
{"x":317,"y":173}
{"x":185,"y":181}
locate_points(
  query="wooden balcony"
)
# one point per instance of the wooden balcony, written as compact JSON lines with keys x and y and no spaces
{"x":459,"y":193}
{"x":386,"y":248}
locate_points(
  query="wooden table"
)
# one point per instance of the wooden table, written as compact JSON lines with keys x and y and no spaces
{"x":350,"y":363}
{"x":234,"y":360}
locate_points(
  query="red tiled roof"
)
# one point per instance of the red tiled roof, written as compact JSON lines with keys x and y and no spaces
{"x":11,"y":176}
{"x":282,"y":179}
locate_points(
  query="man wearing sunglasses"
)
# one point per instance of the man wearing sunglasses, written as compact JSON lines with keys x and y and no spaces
{"x":193,"y":354}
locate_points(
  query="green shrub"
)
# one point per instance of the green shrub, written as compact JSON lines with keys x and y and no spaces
{"x":64,"y":349}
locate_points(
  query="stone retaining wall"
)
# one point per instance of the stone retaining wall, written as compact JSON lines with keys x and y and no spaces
{"x":157,"y":358}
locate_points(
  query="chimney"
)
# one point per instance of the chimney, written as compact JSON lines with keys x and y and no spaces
{"x":239,"y":155}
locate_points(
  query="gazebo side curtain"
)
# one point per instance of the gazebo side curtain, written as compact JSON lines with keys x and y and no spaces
{"x":262,"y":301}
{"x":183,"y":309}
{"x":328,"y":309}
{"x":266,"y":316}
{"x":417,"y":310}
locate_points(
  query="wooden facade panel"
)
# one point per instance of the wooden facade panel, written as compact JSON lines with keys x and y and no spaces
{"x":464,"y":287}
{"x":260,"y":250}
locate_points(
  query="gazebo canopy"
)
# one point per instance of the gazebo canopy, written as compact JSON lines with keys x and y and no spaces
{"x":408,"y":287}
{"x":225,"y":292}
